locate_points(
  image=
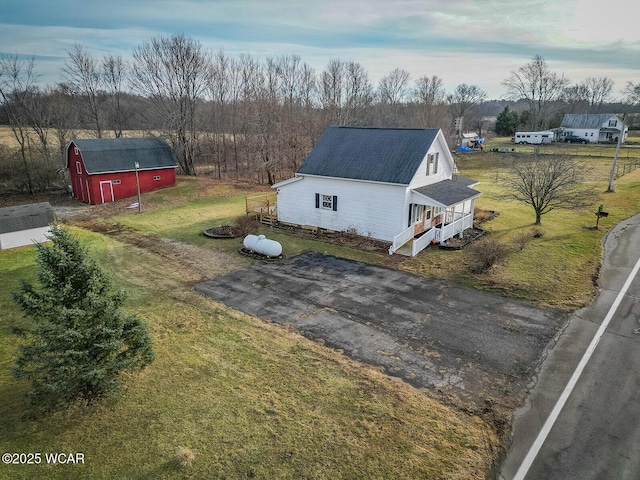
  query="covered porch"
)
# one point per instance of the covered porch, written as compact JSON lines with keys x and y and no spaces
{"x":436,"y":213}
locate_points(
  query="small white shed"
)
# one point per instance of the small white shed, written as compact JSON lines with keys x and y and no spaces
{"x":25,"y":224}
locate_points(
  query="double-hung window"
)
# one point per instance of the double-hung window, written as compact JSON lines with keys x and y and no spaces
{"x":432,"y":163}
{"x":328,"y":202}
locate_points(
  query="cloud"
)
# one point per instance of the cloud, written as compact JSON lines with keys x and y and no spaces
{"x":462,"y":41}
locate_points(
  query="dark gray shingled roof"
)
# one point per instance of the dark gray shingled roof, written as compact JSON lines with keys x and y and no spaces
{"x":449,"y":192}
{"x":390,"y":155}
{"x":592,"y":120}
{"x":102,"y":155}
{"x":26,"y":217}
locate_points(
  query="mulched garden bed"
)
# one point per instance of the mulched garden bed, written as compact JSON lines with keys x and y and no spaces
{"x":221,"y":231}
{"x":468,"y":236}
{"x":345,"y":239}
{"x":259,"y":256}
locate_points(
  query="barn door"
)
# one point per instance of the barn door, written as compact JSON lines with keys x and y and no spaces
{"x":106,"y":191}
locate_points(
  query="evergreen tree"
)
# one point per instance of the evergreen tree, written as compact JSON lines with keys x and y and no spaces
{"x":507,"y":122}
{"x":81,"y":341}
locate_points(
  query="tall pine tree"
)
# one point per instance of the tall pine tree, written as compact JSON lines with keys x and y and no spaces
{"x":507,"y":122}
{"x":81,"y":341}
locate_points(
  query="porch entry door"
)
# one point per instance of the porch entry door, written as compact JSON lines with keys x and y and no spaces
{"x":106,"y":191}
{"x":417,"y":218}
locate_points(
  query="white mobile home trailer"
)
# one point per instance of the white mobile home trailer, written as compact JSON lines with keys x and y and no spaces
{"x":535,"y":138}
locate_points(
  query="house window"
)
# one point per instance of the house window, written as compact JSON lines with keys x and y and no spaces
{"x":78,"y":168}
{"x":156,"y":177}
{"x":613,"y":123}
{"x":328,"y":202}
{"x":432,"y":163}
{"x":117,"y":182}
{"x":418,"y":212}
{"x":75,"y":151}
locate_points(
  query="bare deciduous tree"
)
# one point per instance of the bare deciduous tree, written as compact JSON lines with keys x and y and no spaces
{"x":546,"y":183}
{"x":393,"y":92}
{"x":64,"y":116}
{"x":332,"y":82}
{"x":29,"y":115}
{"x":631,"y":93}
{"x":172,"y":73}
{"x":219,"y":88}
{"x":115,"y":72}
{"x":539,"y":86}
{"x":359,"y":94}
{"x":346,"y":93}
{"x":82,"y":73}
{"x":599,"y":91}
{"x":464,"y":103}
{"x":430,"y":96}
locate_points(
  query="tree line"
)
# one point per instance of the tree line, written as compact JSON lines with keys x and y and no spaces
{"x":244,"y":117}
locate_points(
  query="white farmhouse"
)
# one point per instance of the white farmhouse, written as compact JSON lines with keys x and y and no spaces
{"x":392,"y":184}
{"x":594,"y":128}
{"x":25,"y":224}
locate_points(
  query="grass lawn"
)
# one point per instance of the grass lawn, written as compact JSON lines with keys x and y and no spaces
{"x":560,"y":268}
{"x":249,"y":399}
{"x":254,"y":400}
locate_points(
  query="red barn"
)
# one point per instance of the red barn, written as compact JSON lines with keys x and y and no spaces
{"x":104,"y":169}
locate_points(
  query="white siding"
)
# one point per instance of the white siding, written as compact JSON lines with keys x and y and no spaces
{"x":373,"y":209}
{"x":445,"y":165}
{"x":25,"y":237}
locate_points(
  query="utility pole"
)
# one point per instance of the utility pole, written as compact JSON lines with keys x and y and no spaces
{"x":137,"y":166}
{"x":611,"y":188}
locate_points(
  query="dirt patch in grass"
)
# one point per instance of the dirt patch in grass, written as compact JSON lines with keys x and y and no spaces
{"x":200,"y":263}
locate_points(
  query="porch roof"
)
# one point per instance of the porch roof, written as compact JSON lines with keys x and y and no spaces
{"x":447,"y":192}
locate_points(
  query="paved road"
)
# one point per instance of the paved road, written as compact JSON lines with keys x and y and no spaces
{"x":597,"y":434}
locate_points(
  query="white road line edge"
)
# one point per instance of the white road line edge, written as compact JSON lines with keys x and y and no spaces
{"x":555,"y":413}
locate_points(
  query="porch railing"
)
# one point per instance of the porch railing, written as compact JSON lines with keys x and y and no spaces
{"x":456,"y":227}
{"x":438,"y":234}
{"x":400,"y":239}
{"x":423,"y":242}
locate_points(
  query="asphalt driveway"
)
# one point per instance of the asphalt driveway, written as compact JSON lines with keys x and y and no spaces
{"x":430,"y":333}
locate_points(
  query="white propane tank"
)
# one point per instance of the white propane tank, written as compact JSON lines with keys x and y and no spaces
{"x":261,"y":244}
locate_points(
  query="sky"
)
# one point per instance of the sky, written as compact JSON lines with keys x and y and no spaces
{"x":478,"y":42}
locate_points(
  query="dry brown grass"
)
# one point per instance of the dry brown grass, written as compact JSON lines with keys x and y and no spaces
{"x":184,"y":457}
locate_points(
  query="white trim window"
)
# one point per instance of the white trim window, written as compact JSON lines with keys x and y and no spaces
{"x":117,"y":182}
{"x":78,"y":168}
{"x":156,"y":177}
{"x":327,"y":202}
{"x":432,"y":163}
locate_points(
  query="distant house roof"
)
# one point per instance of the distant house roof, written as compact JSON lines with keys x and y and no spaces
{"x":587,"y":120}
{"x":102,"y":155}
{"x":390,"y":155}
{"x":449,"y":192}
{"x":26,"y":217}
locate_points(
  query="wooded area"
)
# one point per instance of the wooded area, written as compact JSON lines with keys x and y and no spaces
{"x":249,"y":118}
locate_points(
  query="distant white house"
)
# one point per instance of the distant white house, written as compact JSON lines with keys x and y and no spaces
{"x":594,"y":128}
{"x":25,"y":224}
{"x":392,"y":184}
